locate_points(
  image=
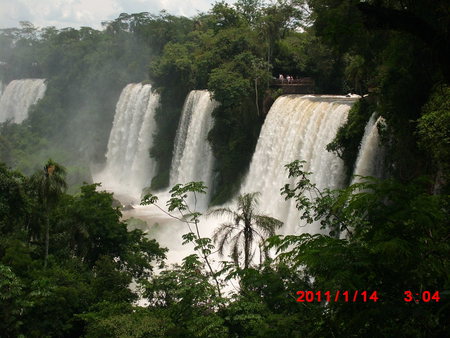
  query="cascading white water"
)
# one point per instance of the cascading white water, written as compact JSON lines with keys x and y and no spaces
{"x":129,"y":167}
{"x":296,"y":127}
{"x":192,"y":158}
{"x":370,"y":157}
{"x":17,"y":98}
{"x":192,"y":161}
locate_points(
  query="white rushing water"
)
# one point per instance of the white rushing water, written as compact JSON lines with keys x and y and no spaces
{"x":129,"y":167}
{"x":192,"y":157}
{"x":192,"y":161}
{"x":296,"y":127}
{"x":370,"y":156}
{"x":17,"y":98}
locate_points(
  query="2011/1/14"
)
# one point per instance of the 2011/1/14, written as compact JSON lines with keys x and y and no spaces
{"x":346,"y":296}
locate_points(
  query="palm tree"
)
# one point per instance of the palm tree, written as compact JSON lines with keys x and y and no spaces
{"x":247,"y":226}
{"x":49,"y":185}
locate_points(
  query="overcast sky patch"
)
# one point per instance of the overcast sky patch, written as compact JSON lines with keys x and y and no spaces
{"x":77,"y":13}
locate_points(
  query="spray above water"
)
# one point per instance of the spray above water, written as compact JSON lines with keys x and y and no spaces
{"x":17,"y":98}
{"x":296,"y":127}
{"x":129,"y":167}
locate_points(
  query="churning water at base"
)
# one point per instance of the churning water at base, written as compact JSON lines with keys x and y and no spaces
{"x":129,"y":167}
{"x":370,"y":157}
{"x":296,"y":127}
{"x":17,"y":98}
{"x":192,"y":157}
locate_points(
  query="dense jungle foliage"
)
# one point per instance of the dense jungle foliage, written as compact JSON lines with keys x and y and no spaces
{"x":67,"y":260}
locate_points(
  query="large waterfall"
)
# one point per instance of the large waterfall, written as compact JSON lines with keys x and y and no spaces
{"x":192,"y":158}
{"x":17,"y":98}
{"x":296,"y":127}
{"x":192,"y":161}
{"x":370,"y":157}
{"x":129,"y":167}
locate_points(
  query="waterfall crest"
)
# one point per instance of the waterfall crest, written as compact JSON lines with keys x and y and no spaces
{"x":17,"y":98}
{"x":129,"y":167}
{"x":370,"y":156}
{"x":296,"y":127}
{"x":192,"y":157}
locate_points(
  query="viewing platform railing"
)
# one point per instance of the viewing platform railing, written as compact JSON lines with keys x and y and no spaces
{"x":303,"y":85}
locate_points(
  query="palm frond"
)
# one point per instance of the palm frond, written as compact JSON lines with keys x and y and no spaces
{"x":264,"y":249}
{"x":248,"y":224}
{"x":224,"y":227}
{"x":251,"y":254}
{"x":238,"y":219}
{"x":224,"y":232}
{"x":235,"y":252}
{"x":248,"y":202}
{"x":257,"y":233}
{"x":267,"y":224}
{"x":220,"y":212}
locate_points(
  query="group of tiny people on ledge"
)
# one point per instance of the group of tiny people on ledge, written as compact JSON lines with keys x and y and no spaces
{"x":288,"y":78}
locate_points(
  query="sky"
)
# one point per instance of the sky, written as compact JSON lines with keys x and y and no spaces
{"x":77,"y":13}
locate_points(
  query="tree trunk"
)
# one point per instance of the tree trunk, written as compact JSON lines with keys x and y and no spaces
{"x":47,"y":238}
{"x":47,"y":222}
{"x":247,"y":247}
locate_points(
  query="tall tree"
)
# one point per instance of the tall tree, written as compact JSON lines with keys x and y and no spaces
{"x":245,"y":228}
{"x":49,"y":184}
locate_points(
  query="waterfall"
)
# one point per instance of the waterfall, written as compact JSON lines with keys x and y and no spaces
{"x":370,"y":157}
{"x":192,"y":157}
{"x":17,"y":98}
{"x":296,"y":127}
{"x":129,"y":167}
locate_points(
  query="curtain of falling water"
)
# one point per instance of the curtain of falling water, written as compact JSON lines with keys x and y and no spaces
{"x":18,"y":96}
{"x":192,"y":158}
{"x":129,"y":167}
{"x":296,"y":127}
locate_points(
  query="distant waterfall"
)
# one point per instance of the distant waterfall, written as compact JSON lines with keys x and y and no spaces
{"x":17,"y":98}
{"x":129,"y":167}
{"x":296,"y":127}
{"x":192,"y":158}
{"x":370,"y":156}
